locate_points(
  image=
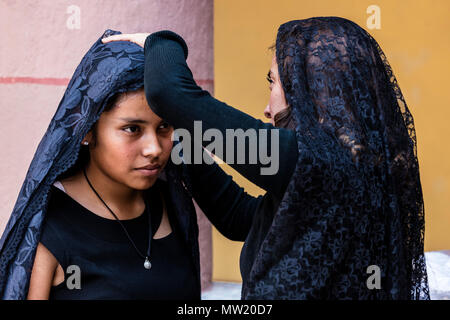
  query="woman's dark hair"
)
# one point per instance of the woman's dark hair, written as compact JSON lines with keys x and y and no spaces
{"x":284,"y":118}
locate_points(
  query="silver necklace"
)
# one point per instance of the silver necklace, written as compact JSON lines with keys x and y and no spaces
{"x":147,"y":263}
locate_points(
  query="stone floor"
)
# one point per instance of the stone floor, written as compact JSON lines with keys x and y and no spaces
{"x":438,"y":269}
{"x":222,"y":291}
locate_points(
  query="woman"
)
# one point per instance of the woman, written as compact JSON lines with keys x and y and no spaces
{"x":347,"y":197}
{"x":103,"y":212}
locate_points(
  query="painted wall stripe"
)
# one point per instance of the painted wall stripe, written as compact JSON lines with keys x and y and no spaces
{"x":65,"y":81}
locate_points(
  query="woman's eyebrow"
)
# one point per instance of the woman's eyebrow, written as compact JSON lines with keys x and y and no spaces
{"x":133,"y":120}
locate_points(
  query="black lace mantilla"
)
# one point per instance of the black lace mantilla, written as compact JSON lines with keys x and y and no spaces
{"x":355,"y":197}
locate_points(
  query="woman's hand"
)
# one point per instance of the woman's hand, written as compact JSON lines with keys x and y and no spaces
{"x":138,"y":38}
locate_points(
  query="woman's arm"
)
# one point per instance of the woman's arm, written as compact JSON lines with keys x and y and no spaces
{"x":42,"y":274}
{"x":229,"y":208}
{"x":173,"y":94}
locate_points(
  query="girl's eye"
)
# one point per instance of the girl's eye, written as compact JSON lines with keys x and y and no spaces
{"x":132,"y":129}
{"x":164,"y":125}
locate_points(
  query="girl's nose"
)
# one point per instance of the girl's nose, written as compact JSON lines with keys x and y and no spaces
{"x":152,"y":147}
{"x":267,"y":113}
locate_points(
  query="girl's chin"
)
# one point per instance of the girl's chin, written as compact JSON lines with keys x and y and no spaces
{"x":144,"y":184}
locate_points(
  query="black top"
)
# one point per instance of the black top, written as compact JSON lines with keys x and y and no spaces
{"x":174,"y":96}
{"x":109,"y":264}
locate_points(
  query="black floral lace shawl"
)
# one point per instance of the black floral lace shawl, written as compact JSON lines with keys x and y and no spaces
{"x":355,"y":197}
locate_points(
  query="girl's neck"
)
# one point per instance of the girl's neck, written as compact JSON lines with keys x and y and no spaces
{"x":125,"y":202}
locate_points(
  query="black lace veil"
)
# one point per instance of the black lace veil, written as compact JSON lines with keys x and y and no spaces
{"x":355,"y":197}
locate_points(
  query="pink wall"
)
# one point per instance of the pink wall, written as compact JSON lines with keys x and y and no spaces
{"x":43,"y":42}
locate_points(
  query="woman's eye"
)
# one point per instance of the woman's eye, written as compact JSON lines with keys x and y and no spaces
{"x":131,"y":129}
{"x":269,"y":79}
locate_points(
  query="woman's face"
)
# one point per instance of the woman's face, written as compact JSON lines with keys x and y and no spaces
{"x":128,"y":137}
{"x":277,"y":101}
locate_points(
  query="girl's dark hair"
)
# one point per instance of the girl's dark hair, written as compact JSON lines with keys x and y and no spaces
{"x":112,"y":102}
{"x":83,"y":155}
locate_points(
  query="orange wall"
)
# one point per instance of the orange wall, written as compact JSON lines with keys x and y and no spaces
{"x":414,"y":37}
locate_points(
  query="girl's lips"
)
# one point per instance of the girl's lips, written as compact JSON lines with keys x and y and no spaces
{"x":149,"y":172}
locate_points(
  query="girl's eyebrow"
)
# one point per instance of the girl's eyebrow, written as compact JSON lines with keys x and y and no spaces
{"x":133,"y":120}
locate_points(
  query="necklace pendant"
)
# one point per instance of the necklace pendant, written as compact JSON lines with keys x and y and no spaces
{"x":147,"y":264}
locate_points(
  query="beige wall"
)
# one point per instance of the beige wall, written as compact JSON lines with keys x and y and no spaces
{"x":414,"y":38}
{"x":43,"y":41}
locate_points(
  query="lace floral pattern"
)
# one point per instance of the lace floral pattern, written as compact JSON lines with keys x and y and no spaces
{"x":355,"y":197}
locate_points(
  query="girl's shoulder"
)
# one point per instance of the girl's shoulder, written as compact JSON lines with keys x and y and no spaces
{"x":56,"y":228}
{"x":59,"y":204}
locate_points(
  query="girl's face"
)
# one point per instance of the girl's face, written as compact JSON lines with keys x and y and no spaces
{"x":277,"y":101}
{"x":129,"y":137}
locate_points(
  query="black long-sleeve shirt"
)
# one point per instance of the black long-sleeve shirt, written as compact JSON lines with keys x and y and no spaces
{"x":174,"y":96}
